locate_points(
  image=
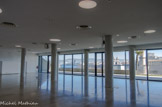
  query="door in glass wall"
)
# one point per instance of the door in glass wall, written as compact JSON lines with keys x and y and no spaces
{"x":68,"y":64}
{"x":99,"y":64}
{"x":77,"y":64}
{"x":91,"y":64}
{"x":140,"y":62}
{"x":119,"y":64}
{"x":61,"y":64}
{"x":154,"y":64}
{"x":44,"y":63}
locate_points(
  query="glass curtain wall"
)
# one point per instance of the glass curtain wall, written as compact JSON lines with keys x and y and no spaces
{"x":96,"y":64}
{"x":68,"y":64}
{"x":103,"y":64}
{"x":121,"y":64}
{"x":127,"y":64}
{"x":140,"y":62}
{"x":49,"y":64}
{"x":99,"y":64}
{"x":77,"y":64}
{"x":61,"y":64}
{"x":44,"y":64}
{"x":91,"y":64}
{"x":71,"y":64}
{"x":154,"y":60}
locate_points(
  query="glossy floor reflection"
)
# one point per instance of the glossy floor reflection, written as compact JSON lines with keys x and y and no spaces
{"x":70,"y":91}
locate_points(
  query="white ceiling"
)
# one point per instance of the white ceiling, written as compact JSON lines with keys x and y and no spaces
{"x":39,"y":20}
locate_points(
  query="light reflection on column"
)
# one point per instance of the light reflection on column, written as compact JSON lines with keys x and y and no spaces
{"x":148,"y":94}
{"x":86,"y":86}
{"x":109,"y":97}
{"x":0,"y":80}
{"x":53,"y":93}
{"x":132,"y":93}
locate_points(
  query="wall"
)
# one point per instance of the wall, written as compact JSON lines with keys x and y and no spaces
{"x":11,"y":58}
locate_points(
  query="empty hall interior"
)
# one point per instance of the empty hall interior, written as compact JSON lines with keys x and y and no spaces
{"x":81,"y":53}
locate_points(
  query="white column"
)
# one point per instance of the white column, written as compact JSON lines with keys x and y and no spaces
{"x":109,"y":71}
{"x":86,"y":72}
{"x":132,"y":63}
{"x":132,"y":75}
{"x":108,"y":62}
{"x":53,"y":62}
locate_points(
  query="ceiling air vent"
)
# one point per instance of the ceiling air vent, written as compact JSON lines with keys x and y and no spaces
{"x":84,"y":27}
{"x":132,"y":37}
{"x":9,"y":24}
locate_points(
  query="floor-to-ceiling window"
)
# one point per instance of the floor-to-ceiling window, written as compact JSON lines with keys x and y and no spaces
{"x":49,"y":63}
{"x":154,"y":60}
{"x":103,"y":64}
{"x":68,"y":64}
{"x":77,"y":64}
{"x":61,"y":64}
{"x":71,"y":64}
{"x":44,"y":60}
{"x":96,"y":64}
{"x":91,"y":64}
{"x":99,"y":64}
{"x":140,"y":62}
{"x":121,"y":64}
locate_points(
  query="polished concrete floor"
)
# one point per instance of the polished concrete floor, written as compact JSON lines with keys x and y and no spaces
{"x":71,"y":91}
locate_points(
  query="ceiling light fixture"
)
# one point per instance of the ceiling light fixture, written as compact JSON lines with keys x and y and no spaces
{"x":18,"y":46}
{"x":122,"y":41}
{"x":58,"y":48}
{"x":150,"y":31}
{"x":54,"y":40}
{"x":117,"y":35}
{"x":0,"y":10}
{"x":91,"y":47}
{"x":83,"y":27}
{"x":87,"y":4}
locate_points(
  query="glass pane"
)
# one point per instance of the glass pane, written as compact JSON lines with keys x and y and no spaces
{"x":77,"y":64}
{"x":103,"y":64}
{"x":155,"y":64}
{"x":68,"y":64}
{"x":61,"y":63}
{"x":140,"y":61}
{"x":91,"y":64}
{"x":44,"y":63}
{"x":49,"y":69}
{"x":127,"y":64}
{"x":119,"y":64}
{"x":99,"y":64}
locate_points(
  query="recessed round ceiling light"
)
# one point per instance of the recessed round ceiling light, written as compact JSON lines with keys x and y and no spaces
{"x":54,"y":40}
{"x":122,"y":41}
{"x":18,"y":46}
{"x":118,"y":35}
{"x":91,"y":47}
{"x":150,"y":31}
{"x":87,"y":4}
{"x":0,"y":10}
